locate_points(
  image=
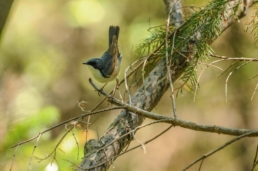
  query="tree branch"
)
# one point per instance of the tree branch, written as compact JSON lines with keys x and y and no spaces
{"x":145,"y":98}
{"x":176,"y":121}
{"x":218,"y":149}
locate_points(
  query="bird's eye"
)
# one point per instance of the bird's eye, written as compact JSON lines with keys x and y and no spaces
{"x":92,"y":63}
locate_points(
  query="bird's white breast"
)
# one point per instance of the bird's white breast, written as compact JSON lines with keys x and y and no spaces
{"x":98,"y":76}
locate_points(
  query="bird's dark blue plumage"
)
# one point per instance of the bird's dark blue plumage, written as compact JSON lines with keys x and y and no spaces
{"x":107,"y":67}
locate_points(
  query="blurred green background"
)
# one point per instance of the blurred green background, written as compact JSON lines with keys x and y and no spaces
{"x":42,"y":79}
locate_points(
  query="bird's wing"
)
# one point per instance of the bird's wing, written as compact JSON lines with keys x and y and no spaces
{"x":112,"y":58}
{"x":108,"y":66}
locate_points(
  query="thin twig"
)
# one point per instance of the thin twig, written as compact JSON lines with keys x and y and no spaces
{"x":232,"y":64}
{"x":87,"y":126}
{"x":200,"y":167}
{"x":14,"y":154}
{"x":121,"y":82}
{"x":53,"y":152}
{"x":142,"y":144}
{"x":168,"y":64}
{"x":255,"y":158}
{"x":146,"y":142}
{"x":125,"y":79}
{"x":198,"y":80}
{"x":77,"y":144}
{"x":254,"y":77}
{"x":175,"y":121}
{"x":35,"y":146}
{"x":133,"y":148}
{"x":67,"y":121}
{"x":124,"y":135}
{"x":220,"y":148}
{"x":254,"y":91}
{"x":235,"y":58}
{"x":226,"y":84}
{"x":214,"y":66}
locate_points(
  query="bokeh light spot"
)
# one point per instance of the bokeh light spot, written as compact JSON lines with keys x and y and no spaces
{"x":81,"y":12}
{"x":51,"y":167}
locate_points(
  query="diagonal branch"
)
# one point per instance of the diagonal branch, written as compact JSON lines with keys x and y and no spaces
{"x":145,"y":98}
{"x":218,"y":149}
{"x":176,"y":121}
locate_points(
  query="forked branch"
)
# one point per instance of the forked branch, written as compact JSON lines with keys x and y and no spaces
{"x":149,"y":94}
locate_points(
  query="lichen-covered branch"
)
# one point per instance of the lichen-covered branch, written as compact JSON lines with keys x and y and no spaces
{"x":145,"y":98}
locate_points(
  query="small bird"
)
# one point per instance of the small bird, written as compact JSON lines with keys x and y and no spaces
{"x":107,"y":67}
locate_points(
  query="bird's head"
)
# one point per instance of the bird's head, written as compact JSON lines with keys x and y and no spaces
{"x":95,"y":63}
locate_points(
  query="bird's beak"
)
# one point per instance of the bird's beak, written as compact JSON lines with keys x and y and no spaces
{"x":85,"y":63}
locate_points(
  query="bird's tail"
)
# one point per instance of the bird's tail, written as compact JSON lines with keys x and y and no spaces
{"x":113,"y":30}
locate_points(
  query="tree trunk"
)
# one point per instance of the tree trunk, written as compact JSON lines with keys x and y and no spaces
{"x":99,"y":155}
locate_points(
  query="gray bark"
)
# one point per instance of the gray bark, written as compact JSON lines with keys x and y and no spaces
{"x":100,"y":154}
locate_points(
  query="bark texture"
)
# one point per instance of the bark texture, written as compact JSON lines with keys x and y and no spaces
{"x":100,"y":154}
